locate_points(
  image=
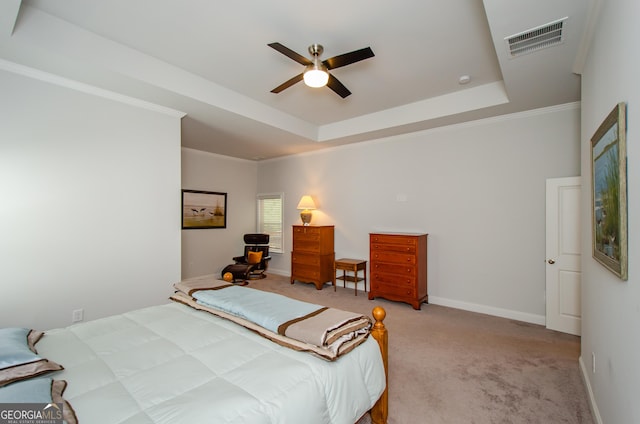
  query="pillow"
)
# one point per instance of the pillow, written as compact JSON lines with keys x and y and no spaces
{"x":254,"y":257}
{"x":40,"y":390}
{"x":18,"y":357}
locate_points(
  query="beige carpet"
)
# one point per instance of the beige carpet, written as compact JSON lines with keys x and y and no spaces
{"x":448,"y":366}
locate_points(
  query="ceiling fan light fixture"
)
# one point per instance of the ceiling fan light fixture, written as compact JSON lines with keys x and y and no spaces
{"x":316,"y":75}
{"x":316,"y":72}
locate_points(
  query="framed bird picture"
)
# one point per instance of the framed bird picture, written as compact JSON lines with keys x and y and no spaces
{"x":203,"y":209}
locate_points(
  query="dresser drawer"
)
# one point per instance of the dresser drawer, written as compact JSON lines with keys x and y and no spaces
{"x":306,"y":230}
{"x":393,"y":239}
{"x":396,"y":258}
{"x":305,"y":258}
{"x":397,"y":248}
{"x":394,"y":269}
{"x":305,"y":272}
{"x":393,"y":279}
{"x":306,"y":245}
{"x":393,"y":290}
{"x":306,"y":234}
{"x":318,"y":240}
{"x":306,"y":239}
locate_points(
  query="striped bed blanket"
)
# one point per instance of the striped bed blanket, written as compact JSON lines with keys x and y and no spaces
{"x":323,"y":331}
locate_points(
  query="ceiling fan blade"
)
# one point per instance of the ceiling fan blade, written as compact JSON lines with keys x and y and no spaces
{"x":348,"y":58}
{"x":337,"y":86}
{"x":290,"y":53}
{"x":287,"y":84}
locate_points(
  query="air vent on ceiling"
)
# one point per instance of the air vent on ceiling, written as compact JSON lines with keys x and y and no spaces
{"x":547,"y":35}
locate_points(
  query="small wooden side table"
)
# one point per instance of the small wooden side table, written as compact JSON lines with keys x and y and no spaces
{"x":353,"y":265}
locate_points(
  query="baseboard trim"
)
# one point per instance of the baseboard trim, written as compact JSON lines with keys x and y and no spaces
{"x":592,"y":400}
{"x":489,"y":310}
{"x":279,"y":272}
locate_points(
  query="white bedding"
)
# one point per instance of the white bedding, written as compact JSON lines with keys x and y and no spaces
{"x":172,"y":364}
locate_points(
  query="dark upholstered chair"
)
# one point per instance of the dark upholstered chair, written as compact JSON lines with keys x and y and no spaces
{"x":255,"y":260}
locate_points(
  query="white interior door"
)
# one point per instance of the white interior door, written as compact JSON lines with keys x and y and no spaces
{"x":563,"y":277}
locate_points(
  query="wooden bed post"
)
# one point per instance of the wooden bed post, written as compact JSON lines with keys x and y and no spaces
{"x":380,"y":410}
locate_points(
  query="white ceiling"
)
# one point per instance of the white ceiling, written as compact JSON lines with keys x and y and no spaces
{"x":210,"y":60}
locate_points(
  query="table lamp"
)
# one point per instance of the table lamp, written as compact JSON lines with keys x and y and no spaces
{"x":306,"y":205}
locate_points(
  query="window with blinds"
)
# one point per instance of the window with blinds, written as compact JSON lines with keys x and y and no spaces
{"x":270,"y":219}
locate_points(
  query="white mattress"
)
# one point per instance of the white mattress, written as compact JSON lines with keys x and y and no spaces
{"x":172,"y":364}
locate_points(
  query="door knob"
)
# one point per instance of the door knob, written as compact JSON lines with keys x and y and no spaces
{"x":551,"y":261}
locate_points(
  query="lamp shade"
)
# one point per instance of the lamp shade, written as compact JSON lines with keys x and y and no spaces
{"x":306,"y":203}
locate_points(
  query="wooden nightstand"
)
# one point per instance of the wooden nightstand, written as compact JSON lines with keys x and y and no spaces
{"x":353,"y":265}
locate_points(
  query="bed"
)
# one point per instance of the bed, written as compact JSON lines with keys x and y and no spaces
{"x":190,"y":363}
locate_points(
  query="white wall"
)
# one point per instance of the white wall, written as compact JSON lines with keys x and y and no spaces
{"x":611,"y":307}
{"x":90,"y":204}
{"x":477,"y":189}
{"x":207,"y":251}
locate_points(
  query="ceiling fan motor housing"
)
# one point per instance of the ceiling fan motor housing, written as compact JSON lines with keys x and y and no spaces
{"x":316,"y":49}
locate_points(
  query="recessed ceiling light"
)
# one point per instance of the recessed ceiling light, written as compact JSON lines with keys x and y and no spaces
{"x":464,"y":79}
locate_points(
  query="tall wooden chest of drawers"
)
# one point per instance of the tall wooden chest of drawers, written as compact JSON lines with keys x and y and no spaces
{"x":313,"y":255}
{"x":398,"y":266}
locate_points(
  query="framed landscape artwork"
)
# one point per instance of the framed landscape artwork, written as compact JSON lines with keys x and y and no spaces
{"x":203,"y":209}
{"x":609,"y":192}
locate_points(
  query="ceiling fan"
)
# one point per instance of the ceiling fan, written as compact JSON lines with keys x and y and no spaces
{"x":316,"y":73}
